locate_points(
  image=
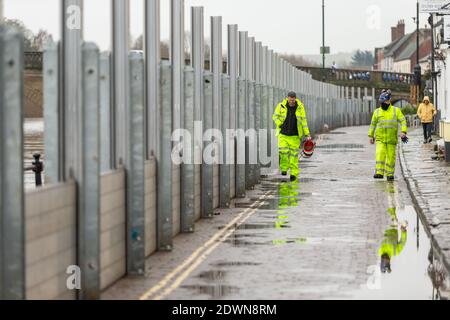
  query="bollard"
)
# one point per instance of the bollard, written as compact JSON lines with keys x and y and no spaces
{"x":38,"y":167}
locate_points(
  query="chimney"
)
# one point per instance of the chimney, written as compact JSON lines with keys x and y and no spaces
{"x":401,"y":29}
{"x":398,"y":31}
{"x":393,"y":34}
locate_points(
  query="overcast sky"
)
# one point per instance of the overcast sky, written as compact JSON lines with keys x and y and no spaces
{"x":287,"y":26}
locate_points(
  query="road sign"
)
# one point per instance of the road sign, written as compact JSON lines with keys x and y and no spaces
{"x":435,"y":6}
{"x":327,"y":50}
{"x":446,"y":28}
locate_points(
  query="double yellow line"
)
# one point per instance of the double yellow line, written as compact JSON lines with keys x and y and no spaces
{"x":174,"y":279}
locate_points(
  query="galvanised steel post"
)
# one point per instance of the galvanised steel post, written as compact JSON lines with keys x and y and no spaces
{"x":12,"y":219}
{"x":198,"y":63}
{"x":225,"y":167}
{"x":120,"y":77}
{"x":53,"y":115}
{"x":152,"y":70}
{"x":270,"y":104}
{"x":241,"y":114}
{"x":216,"y":69}
{"x":164,"y":162}
{"x":258,"y":105}
{"x":178,"y":61}
{"x":250,"y":167}
{"x":188,"y":178}
{"x":207,"y":167}
{"x":233,"y":64}
{"x":135,"y":168}
{"x":106,"y":158}
{"x":89,"y":181}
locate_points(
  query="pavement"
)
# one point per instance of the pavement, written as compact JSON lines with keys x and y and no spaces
{"x":429,"y":183}
{"x":317,"y":238}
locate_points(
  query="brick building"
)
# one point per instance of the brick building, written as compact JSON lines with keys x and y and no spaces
{"x":400,"y":54}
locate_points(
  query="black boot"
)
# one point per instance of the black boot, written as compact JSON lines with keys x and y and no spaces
{"x":378,"y":176}
{"x":390,"y":178}
{"x":293,"y":178}
{"x":284,"y":173}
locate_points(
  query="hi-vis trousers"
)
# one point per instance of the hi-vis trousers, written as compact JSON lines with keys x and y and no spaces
{"x":289,"y":148}
{"x":386,"y":158}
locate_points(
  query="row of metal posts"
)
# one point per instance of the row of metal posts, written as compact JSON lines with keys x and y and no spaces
{"x":119,"y":109}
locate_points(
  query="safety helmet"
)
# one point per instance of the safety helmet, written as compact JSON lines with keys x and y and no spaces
{"x":385,"y":95}
{"x":308,"y":148}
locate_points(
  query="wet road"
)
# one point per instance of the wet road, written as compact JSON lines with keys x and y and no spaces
{"x":319,"y":238}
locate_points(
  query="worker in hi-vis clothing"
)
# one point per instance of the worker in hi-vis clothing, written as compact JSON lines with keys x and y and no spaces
{"x":384,"y":131}
{"x":291,"y":126}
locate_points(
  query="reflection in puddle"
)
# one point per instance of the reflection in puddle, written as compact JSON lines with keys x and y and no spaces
{"x":213,"y":275}
{"x":236,"y":264}
{"x":341,"y":146}
{"x":215,"y":291}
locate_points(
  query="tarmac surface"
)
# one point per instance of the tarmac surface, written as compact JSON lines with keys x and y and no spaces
{"x":317,"y":238}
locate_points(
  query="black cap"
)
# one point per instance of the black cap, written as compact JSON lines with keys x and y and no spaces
{"x":292,"y":94}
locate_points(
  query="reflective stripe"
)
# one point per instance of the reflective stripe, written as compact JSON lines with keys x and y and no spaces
{"x":388,"y":121}
{"x":387,"y":127}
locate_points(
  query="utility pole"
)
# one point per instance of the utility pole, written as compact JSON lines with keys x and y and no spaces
{"x":323,"y":37}
{"x":433,"y":87}
{"x":1,"y":10}
{"x":417,"y":68}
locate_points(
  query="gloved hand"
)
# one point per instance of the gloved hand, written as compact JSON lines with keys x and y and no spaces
{"x":405,"y":139}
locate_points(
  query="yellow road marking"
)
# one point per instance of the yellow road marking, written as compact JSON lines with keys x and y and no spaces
{"x":196,"y":253}
{"x":202,"y":258}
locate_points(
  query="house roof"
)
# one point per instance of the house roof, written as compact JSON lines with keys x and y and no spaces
{"x":407,"y":52}
{"x":394,"y":46}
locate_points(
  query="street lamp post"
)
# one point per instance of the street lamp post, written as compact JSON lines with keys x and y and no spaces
{"x":323,"y":40}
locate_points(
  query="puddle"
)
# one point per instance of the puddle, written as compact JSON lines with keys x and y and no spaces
{"x":341,"y":146}
{"x":213,"y":275}
{"x":214,"y":291}
{"x":403,"y":266}
{"x":236,"y":264}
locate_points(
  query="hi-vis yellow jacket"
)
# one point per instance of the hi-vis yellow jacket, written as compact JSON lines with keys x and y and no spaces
{"x":385,"y":125}
{"x":281,"y":113}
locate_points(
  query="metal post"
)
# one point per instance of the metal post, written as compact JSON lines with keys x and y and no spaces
{"x":207,"y":168}
{"x":164,"y":161}
{"x":52,"y":115}
{"x":225,"y":167}
{"x":198,"y":63}
{"x":106,"y":158}
{"x":258,"y":109}
{"x":250,"y":167}
{"x":187,"y":169}
{"x":152,"y":69}
{"x":177,"y":59}
{"x":120,"y":77}
{"x":216,"y":68}
{"x":178,"y":62}
{"x":241,"y":114}
{"x":12,"y":220}
{"x":233,"y":54}
{"x":135,"y":168}
{"x":89,"y":184}
{"x":70,"y":90}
